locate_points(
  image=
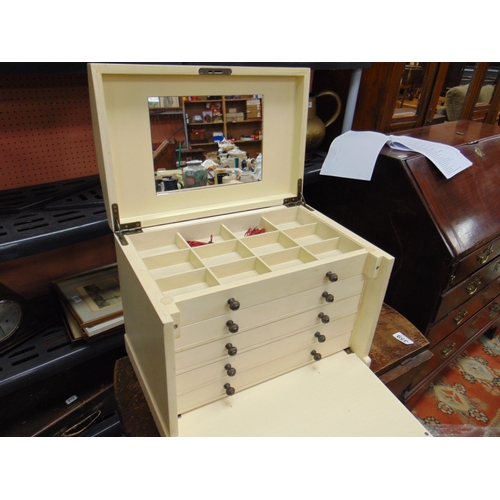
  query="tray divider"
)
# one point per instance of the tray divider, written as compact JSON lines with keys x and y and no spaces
{"x":226,"y":233}
{"x":188,"y":281}
{"x":239,"y":268}
{"x":180,"y":241}
{"x":268,"y":225}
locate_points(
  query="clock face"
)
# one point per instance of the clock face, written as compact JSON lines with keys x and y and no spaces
{"x":10,"y":318}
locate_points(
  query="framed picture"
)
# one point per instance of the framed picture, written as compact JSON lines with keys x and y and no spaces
{"x":92,"y":297}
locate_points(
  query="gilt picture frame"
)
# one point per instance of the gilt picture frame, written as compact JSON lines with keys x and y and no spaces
{"x":92,"y":297}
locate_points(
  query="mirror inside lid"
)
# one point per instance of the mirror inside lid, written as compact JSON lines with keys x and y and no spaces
{"x":180,"y":142}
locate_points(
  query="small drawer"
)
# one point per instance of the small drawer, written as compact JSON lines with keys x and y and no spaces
{"x":463,"y":312}
{"x":190,"y":358}
{"x":204,"y":392}
{"x":469,"y":287}
{"x":246,"y":319}
{"x":476,"y":260}
{"x":451,"y":345}
{"x":215,"y":301}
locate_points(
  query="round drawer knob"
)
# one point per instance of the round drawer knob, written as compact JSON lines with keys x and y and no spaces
{"x":233,"y":327}
{"x":231,"y":350}
{"x":332,"y":276}
{"x":230,"y":370}
{"x":321,"y":338}
{"x":234,"y":305}
{"x":316,"y":355}
{"x":229,"y":390}
{"x":324,"y":318}
{"x":327,"y":296}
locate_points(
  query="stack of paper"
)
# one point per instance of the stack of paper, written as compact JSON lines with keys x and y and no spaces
{"x":353,"y":154}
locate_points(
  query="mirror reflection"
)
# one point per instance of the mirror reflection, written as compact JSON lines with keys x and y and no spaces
{"x":205,"y":141}
{"x":455,"y":91}
{"x":410,"y":90}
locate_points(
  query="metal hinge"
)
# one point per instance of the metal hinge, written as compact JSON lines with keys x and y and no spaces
{"x":121,"y":230}
{"x":296,"y":200}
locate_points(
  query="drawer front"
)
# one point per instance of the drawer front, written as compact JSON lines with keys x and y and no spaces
{"x":473,"y":262}
{"x":248,"y":318}
{"x":344,"y":310}
{"x":211,"y":391}
{"x":463,"y":313}
{"x":468,"y":288}
{"x":246,"y":360}
{"x":208,"y":304}
{"x":452,"y":344}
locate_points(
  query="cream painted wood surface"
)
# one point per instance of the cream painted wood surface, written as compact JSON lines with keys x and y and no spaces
{"x":252,"y":317}
{"x":268,"y":344}
{"x":176,"y":298}
{"x":119,"y":96}
{"x":271,"y":332}
{"x":337,"y":396}
{"x":268,"y":367}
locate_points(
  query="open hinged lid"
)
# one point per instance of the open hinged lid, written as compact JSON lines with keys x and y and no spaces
{"x":121,"y":119}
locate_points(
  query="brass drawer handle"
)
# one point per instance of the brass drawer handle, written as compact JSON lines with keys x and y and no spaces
{"x":316,"y":355}
{"x":321,"y":338}
{"x":473,"y":286}
{"x":332,"y":276}
{"x":234,"y":305}
{"x":483,"y":257}
{"x":229,"y":390}
{"x":447,"y":350}
{"x":230,"y":370}
{"x":231,"y":350}
{"x":460,"y":316}
{"x":324,"y":318}
{"x":495,"y":309}
{"x":232,"y":326}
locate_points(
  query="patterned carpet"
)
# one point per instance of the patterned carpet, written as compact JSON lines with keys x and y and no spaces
{"x":465,"y":399}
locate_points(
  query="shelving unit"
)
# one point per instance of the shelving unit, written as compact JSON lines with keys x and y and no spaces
{"x":36,"y":221}
{"x":235,"y":118}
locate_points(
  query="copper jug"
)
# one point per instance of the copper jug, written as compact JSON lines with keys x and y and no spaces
{"x":315,"y":126}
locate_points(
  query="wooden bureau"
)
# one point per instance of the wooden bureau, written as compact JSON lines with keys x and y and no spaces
{"x":444,"y":235}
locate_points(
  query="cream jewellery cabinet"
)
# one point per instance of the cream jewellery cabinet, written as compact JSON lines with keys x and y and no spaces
{"x":264,"y":335}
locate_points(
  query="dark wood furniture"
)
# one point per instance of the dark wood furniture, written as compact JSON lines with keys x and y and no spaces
{"x":379,"y":99}
{"x":136,"y":418}
{"x":444,"y":235}
{"x":393,"y":361}
{"x":380,"y":106}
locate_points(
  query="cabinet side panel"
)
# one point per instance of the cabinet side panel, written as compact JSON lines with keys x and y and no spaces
{"x":150,"y":343}
{"x":371,"y":304}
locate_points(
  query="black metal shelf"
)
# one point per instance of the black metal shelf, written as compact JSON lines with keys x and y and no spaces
{"x":40,"y":218}
{"x":49,"y":353}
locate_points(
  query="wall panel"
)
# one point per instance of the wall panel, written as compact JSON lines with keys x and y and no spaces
{"x":45,"y":129}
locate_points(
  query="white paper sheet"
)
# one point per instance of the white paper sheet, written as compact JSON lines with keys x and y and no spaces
{"x":449,"y":160}
{"x":353,"y":154}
